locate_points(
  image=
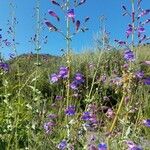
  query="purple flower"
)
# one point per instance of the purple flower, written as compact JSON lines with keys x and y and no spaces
{"x":140,"y":30}
{"x":86,"y":116}
{"x":53,"y":14}
{"x":48,"y":126}
{"x":92,"y":147}
{"x":63,"y":72}
{"x":77,"y":25}
{"x":147,"y":62}
{"x":79,"y":78}
{"x":4,"y":66}
{"x":54,"y":78}
{"x":81,"y":2}
{"x":143,"y":13}
{"x":58,"y":97}
{"x":139,"y":74}
{"x":52,"y":116}
{"x":55,"y":3}
{"x":128,"y":55}
{"x":146,"y":122}
{"x":129,"y":31}
{"x":62,"y":145}
{"x":70,"y":111}
{"x":121,"y":43}
{"x":132,"y":146}
{"x":70,"y":13}
{"x":146,"y":81}
{"x":74,"y":85}
{"x":102,"y":146}
{"x":51,"y":27}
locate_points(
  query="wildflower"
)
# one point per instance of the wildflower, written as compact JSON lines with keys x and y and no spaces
{"x":146,"y":62}
{"x":140,"y":30}
{"x":51,"y":27}
{"x":74,"y":85}
{"x":52,"y":116}
{"x":146,"y":81}
{"x":58,"y":97}
{"x":128,"y":55}
{"x":129,"y":30}
{"x":63,"y":72}
{"x":4,"y":66}
{"x":48,"y":126}
{"x":54,"y":78}
{"x":62,"y":145}
{"x":77,"y":25}
{"x":132,"y":146}
{"x":143,"y":13}
{"x":139,"y":74}
{"x":92,"y":147}
{"x":142,"y":38}
{"x":55,"y":3}
{"x":81,"y":2}
{"x":70,"y":13}
{"x":70,"y":111}
{"x":53,"y":14}
{"x":121,"y":43}
{"x":110,"y":113}
{"x":91,"y":120}
{"x":102,"y":146}
{"x":86,"y":116}
{"x":79,"y":78}
{"x":146,"y":122}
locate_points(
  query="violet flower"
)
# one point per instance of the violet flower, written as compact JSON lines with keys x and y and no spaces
{"x":129,"y":55}
{"x":4,"y":66}
{"x":146,"y":81}
{"x":132,"y":146}
{"x":54,"y":78}
{"x":62,"y":145}
{"x":48,"y":126}
{"x":52,"y":13}
{"x":70,"y":111}
{"x":81,"y":2}
{"x":139,"y":74}
{"x":70,"y":13}
{"x":50,"y":26}
{"x":63,"y":72}
{"x":146,"y":122}
{"x":143,"y":13}
{"x":55,"y":3}
{"x":102,"y":146}
{"x":77,"y":25}
{"x":129,"y":31}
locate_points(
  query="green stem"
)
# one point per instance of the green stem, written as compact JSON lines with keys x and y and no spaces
{"x":68,"y":54}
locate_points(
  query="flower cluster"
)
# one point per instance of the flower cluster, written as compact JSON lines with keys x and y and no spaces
{"x":70,"y":110}
{"x":62,"y":145}
{"x":78,"y":80}
{"x":4,"y":66}
{"x":48,"y":126}
{"x":62,"y":74}
{"x":132,"y":146}
{"x":70,"y":14}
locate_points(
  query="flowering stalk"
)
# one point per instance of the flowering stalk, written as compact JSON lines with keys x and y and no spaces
{"x":37,"y":41}
{"x":68,"y":53}
{"x":133,"y":21}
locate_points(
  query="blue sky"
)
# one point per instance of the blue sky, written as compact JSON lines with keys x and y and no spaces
{"x":116,"y":24}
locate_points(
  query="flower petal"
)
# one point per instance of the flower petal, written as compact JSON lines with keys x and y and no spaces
{"x":77,"y":25}
{"x":52,"y":13}
{"x":51,"y":27}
